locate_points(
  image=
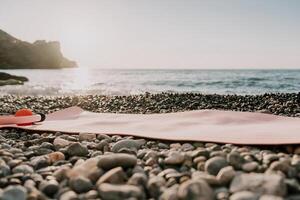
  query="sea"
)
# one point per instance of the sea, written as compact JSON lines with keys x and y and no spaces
{"x":90,"y":81}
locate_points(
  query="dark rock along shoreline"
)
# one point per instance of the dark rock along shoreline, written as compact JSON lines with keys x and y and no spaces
{"x":38,"y":165}
{"x":7,"y":79}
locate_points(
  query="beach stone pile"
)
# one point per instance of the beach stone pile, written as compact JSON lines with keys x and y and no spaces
{"x":287,"y":104}
{"x":89,"y":166}
{"x":38,"y":165}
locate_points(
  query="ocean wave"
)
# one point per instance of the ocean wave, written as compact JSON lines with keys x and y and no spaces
{"x":125,"y":82}
{"x":255,"y":79}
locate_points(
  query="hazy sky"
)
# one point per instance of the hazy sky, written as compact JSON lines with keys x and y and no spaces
{"x":163,"y":33}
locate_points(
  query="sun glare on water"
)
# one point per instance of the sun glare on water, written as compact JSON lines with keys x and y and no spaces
{"x":81,"y":79}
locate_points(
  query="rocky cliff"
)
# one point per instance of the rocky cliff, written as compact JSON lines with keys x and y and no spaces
{"x":17,"y":54}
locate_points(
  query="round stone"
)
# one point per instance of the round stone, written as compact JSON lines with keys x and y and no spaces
{"x":250,"y":166}
{"x":174,"y":158}
{"x":195,"y":189}
{"x":87,"y":136}
{"x":49,"y":187}
{"x":187,"y":147}
{"x":115,"y":160}
{"x":102,"y":145}
{"x":112,"y":191}
{"x":215,"y":164}
{"x":155,"y":186}
{"x":244,"y":195}
{"x":4,"y":169}
{"x":61,"y":143}
{"x":69,"y":195}
{"x":26,"y":169}
{"x":128,"y":144}
{"x":39,"y":162}
{"x":163,"y":145}
{"x":14,"y":193}
{"x":226,"y":174}
{"x":114,"y":176}
{"x":77,"y":149}
{"x":169,"y":193}
{"x":55,"y":156}
{"x":92,"y":194}
{"x":47,"y":145}
{"x":272,"y":184}
{"x":272,"y":197}
{"x":235,"y":159}
{"x":81,"y":184}
{"x":138,"y":179}
{"x":282,"y":166}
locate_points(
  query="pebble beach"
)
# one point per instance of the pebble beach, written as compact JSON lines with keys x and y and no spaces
{"x":53,"y":165}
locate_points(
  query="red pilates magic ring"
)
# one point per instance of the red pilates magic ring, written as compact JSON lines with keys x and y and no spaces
{"x":24,"y":112}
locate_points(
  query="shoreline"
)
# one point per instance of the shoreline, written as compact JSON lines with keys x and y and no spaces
{"x":286,"y":104}
{"x":41,"y":165}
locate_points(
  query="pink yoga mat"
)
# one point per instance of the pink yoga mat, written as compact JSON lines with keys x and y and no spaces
{"x":202,"y":125}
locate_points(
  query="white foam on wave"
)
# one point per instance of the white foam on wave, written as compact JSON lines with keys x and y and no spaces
{"x":127,"y":82}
